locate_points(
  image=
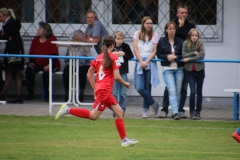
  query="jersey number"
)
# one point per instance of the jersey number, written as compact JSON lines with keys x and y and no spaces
{"x":101,"y":74}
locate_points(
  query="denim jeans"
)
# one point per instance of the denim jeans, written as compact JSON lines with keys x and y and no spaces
{"x":173,"y":79}
{"x":143,"y":87}
{"x":120,"y":92}
{"x":196,"y":77}
{"x":183,"y":95}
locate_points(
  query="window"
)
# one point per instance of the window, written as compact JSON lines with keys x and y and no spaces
{"x":66,"y":11}
{"x":65,"y":16}
{"x":24,"y":9}
{"x":132,"y":11}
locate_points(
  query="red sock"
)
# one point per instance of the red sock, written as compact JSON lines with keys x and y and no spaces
{"x":120,"y":128}
{"x":80,"y":112}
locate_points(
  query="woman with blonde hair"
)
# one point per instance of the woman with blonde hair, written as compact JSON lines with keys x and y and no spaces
{"x":12,"y":65}
{"x":193,"y":50}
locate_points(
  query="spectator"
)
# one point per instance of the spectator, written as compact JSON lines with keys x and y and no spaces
{"x":124,"y":53}
{"x":41,"y":45}
{"x":192,"y":50}
{"x":184,"y":27}
{"x":83,"y":67}
{"x":95,"y":31}
{"x":170,"y":49}
{"x":12,"y":65}
{"x":106,"y":66}
{"x":146,"y":74}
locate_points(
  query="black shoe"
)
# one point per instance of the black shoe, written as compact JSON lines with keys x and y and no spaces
{"x":24,"y":83}
{"x":176,"y":116}
{"x":46,"y":96}
{"x":29,"y":97}
{"x":17,"y":100}
{"x":2,"y":98}
{"x":192,"y":115}
{"x":197,"y":114}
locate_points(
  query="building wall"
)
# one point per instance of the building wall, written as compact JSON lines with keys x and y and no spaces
{"x":219,"y":76}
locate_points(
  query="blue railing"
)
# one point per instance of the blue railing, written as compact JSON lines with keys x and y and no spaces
{"x":91,"y":58}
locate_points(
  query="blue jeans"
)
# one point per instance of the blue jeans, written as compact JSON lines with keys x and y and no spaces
{"x":173,"y":79}
{"x":183,"y":95}
{"x":196,"y":77}
{"x":143,"y":87}
{"x":120,"y":92}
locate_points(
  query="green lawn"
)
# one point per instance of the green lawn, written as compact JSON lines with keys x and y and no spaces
{"x":70,"y":138}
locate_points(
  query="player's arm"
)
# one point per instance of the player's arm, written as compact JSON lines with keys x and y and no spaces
{"x":90,"y":76}
{"x":119,"y":78}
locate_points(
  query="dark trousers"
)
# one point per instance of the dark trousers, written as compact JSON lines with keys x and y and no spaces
{"x":165,"y":103}
{"x":30,"y":78}
{"x":82,"y":80}
{"x":196,"y":78}
{"x":1,"y":78}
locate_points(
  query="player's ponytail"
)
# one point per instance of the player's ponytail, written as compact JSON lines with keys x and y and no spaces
{"x":107,"y":42}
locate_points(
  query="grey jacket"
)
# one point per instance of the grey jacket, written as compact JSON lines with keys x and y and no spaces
{"x":189,"y":53}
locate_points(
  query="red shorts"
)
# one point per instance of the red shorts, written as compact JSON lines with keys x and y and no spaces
{"x":104,"y":99}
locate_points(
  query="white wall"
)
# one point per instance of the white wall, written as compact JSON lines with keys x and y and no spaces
{"x":219,"y":76}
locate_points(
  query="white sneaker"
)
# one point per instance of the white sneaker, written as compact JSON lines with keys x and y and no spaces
{"x":62,"y":111}
{"x":129,"y":143}
{"x":144,"y":114}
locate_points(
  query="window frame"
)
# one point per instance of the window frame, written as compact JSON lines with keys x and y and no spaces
{"x":208,"y":33}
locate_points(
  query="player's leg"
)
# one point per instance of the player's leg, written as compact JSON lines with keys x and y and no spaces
{"x":79,"y":112}
{"x":99,"y":106}
{"x":119,"y":123}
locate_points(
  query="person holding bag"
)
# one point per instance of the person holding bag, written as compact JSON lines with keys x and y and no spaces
{"x":12,"y":65}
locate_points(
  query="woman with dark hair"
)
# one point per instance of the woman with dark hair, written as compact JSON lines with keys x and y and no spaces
{"x":12,"y":65}
{"x":170,"y":49}
{"x":106,"y":66}
{"x":41,"y":45}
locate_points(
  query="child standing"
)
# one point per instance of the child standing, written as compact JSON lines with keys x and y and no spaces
{"x":106,"y":66}
{"x":193,"y":50}
{"x":124,"y":53}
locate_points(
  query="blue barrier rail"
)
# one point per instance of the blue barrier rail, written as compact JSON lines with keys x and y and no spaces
{"x":91,"y":58}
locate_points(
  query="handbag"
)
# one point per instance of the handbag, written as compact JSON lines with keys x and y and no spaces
{"x":14,"y":60}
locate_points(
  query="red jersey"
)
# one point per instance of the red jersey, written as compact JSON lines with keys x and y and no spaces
{"x":45,"y":48}
{"x":105,"y":77}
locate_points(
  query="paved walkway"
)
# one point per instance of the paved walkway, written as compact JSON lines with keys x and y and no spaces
{"x":39,"y":107}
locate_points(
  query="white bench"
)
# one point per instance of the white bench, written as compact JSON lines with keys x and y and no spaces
{"x":235,"y":102}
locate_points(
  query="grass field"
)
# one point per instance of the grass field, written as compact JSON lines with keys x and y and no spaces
{"x":70,"y":138}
